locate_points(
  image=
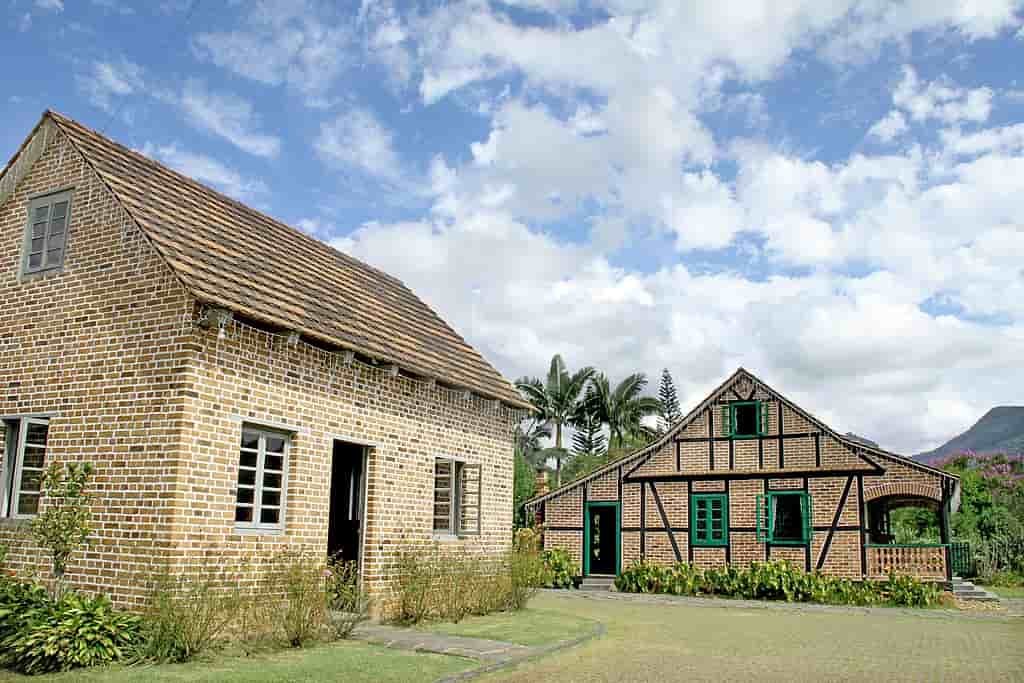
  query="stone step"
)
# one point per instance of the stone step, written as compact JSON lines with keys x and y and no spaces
{"x":597,"y":583}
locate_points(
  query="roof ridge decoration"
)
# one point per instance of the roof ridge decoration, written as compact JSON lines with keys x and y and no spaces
{"x":638,"y":457}
{"x":227,"y":254}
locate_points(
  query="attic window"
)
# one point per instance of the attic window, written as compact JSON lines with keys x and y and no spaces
{"x":745,"y":419}
{"x":46,"y":232}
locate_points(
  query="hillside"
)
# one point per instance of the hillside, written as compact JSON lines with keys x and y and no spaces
{"x":1000,"y":430}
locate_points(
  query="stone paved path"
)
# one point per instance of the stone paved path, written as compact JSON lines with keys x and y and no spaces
{"x":995,"y":612}
{"x":493,"y":654}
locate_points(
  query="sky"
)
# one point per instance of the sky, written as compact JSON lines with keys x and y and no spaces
{"x":829,"y":193}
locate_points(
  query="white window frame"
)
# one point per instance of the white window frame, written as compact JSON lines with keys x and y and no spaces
{"x":47,"y":199}
{"x":457,"y":467}
{"x":14,"y":461}
{"x":256,"y":526}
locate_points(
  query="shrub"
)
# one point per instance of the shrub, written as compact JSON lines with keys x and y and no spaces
{"x":19,"y":601}
{"x":559,"y":568}
{"x":1005,"y":579}
{"x":526,"y":568}
{"x":347,"y":603}
{"x":189,"y":612}
{"x":298,"y":577}
{"x":432,"y":582}
{"x":777,"y":580}
{"x":64,"y":525}
{"x":74,"y":631}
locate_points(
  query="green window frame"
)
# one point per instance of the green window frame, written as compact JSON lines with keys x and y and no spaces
{"x":760,"y":419}
{"x":768,"y":518}
{"x":709,"y":519}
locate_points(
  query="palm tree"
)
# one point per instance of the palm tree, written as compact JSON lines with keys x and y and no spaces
{"x":528,"y":440}
{"x":556,"y":400}
{"x":622,"y":407}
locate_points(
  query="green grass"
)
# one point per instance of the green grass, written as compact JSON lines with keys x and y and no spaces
{"x":668,"y":642}
{"x":344,"y":661}
{"x":1006,"y":591}
{"x":530,"y":626}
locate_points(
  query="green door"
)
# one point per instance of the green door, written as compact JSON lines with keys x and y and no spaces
{"x":602,"y":539}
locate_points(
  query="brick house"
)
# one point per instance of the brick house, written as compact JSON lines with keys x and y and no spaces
{"x":239,"y":385}
{"x":748,"y":475}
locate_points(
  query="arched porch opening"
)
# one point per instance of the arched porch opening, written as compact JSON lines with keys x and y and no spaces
{"x":907,"y":531}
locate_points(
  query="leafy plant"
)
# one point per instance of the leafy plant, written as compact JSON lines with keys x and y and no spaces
{"x":776,"y":580}
{"x":559,"y":568}
{"x":19,"y":600}
{"x":526,"y":568}
{"x":297,"y":575}
{"x":74,"y":631}
{"x":64,"y":524}
{"x":189,"y":612}
{"x":347,"y":602}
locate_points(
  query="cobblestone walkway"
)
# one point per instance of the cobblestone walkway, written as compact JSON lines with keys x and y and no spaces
{"x":1001,"y":611}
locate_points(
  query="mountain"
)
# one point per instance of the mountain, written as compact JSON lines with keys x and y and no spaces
{"x":1000,"y":430}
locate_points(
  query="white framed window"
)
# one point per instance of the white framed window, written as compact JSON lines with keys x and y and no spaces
{"x":262,"y":475}
{"x":24,"y":463}
{"x":46,"y":232}
{"x":457,"y":498}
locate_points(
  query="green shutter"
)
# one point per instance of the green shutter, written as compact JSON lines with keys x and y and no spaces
{"x":762,"y":424}
{"x":727,"y":428}
{"x":808,"y":518}
{"x":762,"y":517}
{"x":705,"y":528}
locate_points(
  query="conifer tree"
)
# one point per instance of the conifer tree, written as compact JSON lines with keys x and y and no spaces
{"x":670,"y":412}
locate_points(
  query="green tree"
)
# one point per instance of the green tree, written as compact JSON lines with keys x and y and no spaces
{"x":64,"y":524}
{"x":588,"y":439}
{"x":523,"y":489}
{"x":622,"y":407}
{"x":556,"y":400}
{"x":670,"y":412}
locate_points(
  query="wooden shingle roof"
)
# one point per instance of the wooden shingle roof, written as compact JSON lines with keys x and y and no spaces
{"x":227,"y":254}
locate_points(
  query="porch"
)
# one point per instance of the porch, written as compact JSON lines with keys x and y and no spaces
{"x":907,"y":532}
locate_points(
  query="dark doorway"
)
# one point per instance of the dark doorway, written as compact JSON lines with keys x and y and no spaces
{"x":602,"y":539}
{"x":344,"y":529}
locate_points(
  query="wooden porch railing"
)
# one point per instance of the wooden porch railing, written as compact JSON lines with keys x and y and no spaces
{"x":924,"y":561}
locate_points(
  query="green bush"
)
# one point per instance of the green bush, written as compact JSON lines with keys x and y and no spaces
{"x":297,"y":577}
{"x":559,"y":568}
{"x":347,"y":603}
{"x":19,"y":601}
{"x":189,"y":612}
{"x":777,"y":580}
{"x":432,"y":582}
{"x":74,"y":631}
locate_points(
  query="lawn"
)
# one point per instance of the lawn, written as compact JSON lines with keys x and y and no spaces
{"x":345,"y":661}
{"x":531,"y":626}
{"x":1006,"y":591}
{"x":659,"y":642}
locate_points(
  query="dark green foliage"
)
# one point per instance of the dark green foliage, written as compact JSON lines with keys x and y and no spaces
{"x":991,"y":514}
{"x":777,"y":580}
{"x":623,"y":406}
{"x":18,"y":601}
{"x":559,"y":568}
{"x":670,"y":412}
{"x":914,"y":525}
{"x":589,"y":438}
{"x":524,"y":486}
{"x":70,"y":632}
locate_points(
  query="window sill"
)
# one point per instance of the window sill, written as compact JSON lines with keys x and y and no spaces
{"x":257,"y":531}
{"x":710,"y":545}
{"x":14,"y":522}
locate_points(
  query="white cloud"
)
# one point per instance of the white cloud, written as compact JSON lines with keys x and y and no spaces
{"x":295,"y":44}
{"x":207,"y":170}
{"x":107,"y":80}
{"x":889,"y":128}
{"x":941,"y":100}
{"x":356,"y":140}
{"x":227,"y":116}
{"x":53,"y":5}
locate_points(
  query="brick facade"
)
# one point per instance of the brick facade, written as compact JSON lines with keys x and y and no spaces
{"x":698,"y":456}
{"x":110,"y":350}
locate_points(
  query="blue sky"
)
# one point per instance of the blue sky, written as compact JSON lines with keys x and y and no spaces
{"x":826,"y":192}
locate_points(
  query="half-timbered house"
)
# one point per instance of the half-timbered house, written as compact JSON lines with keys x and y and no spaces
{"x":749,"y":475}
